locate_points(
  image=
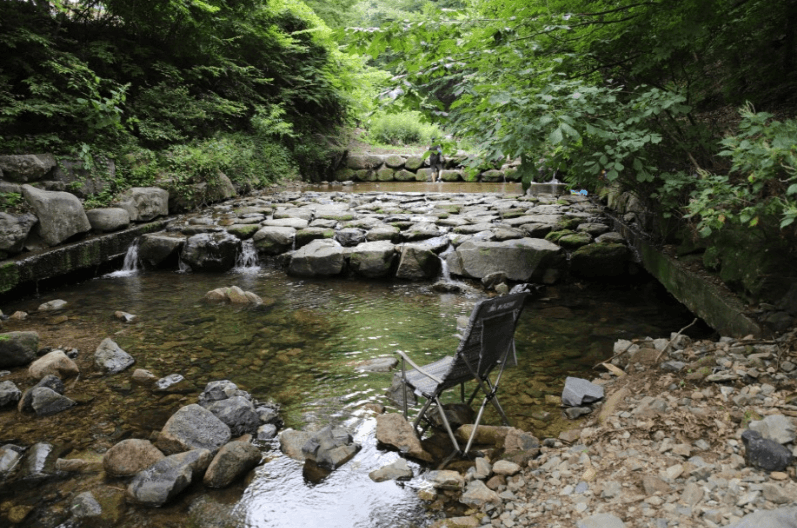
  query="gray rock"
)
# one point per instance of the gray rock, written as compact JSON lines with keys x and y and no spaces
{"x":446,"y":479}
{"x":39,"y":462}
{"x":330,"y":448}
{"x":575,"y":412}
{"x":173,"y":384}
{"x":17,"y":349}
{"x":780,"y":518}
{"x":60,"y":214}
{"x":775,"y":427}
{"x":292,"y":442}
{"x":601,"y":520}
{"x":394,"y":430}
{"x":14,"y":230}
{"x":384,"y":232}
{"x":46,"y":402}
{"x":10,"y":455}
{"x":422,"y":231}
{"x":52,"y":306}
{"x":110,"y":358}
{"x":220,"y":390}
{"x":763,"y":453}
{"x":160,"y":249}
{"x":373,"y":259}
{"x":192,"y":427}
{"x":9,"y":393}
{"x":85,"y":506}
{"x":214,"y":252}
{"x":266,"y":432}
{"x":238,"y":413}
{"x":232,"y":462}
{"x":51,"y":382}
{"x":417,"y":262}
{"x":600,"y":260}
{"x":144,"y":203}
{"x":350,"y":236}
{"x":26,"y":167}
{"x":519,"y":259}
{"x":578,"y":391}
{"x":478,"y":495}
{"x":108,"y":219}
{"x":273,"y":240}
{"x":319,"y":258}
{"x":398,"y":470}
{"x":129,"y":457}
{"x":164,"y":480}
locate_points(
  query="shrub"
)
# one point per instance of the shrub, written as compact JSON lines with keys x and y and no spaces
{"x":404,"y":128}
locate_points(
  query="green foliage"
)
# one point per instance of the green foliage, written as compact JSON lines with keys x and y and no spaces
{"x":11,"y":202}
{"x":402,"y":128}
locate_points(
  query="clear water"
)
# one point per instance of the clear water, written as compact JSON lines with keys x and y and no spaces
{"x":301,"y":349}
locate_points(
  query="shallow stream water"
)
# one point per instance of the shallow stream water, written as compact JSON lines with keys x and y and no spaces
{"x":301,"y":349}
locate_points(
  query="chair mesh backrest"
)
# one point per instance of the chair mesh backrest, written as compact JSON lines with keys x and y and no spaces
{"x":490,"y":331}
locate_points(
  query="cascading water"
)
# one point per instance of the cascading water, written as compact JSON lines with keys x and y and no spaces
{"x":445,"y":274}
{"x":130,"y":266}
{"x":247,"y":258}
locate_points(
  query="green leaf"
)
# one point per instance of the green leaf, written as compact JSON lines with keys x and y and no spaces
{"x":556,"y":136}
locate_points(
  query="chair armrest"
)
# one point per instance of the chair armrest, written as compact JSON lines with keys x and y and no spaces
{"x":419,"y":369}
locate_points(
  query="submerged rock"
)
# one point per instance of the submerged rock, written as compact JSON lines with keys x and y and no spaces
{"x":129,"y":457}
{"x":110,"y":358}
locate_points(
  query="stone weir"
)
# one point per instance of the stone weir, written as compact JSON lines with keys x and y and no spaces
{"x":497,"y":239}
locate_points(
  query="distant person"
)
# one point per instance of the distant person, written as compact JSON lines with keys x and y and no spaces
{"x":436,"y":162}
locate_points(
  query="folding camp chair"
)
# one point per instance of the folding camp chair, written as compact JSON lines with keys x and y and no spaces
{"x":487,"y":342}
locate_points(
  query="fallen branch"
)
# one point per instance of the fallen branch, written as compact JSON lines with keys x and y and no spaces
{"x":673,"y":339}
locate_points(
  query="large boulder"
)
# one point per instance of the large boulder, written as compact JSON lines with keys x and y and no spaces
{"x":520,"y":259}
{"x":394,"y":430}
{"x":18,"y":348}
{"x":14,"y":231}
{"x":55,"y":363}
{"x":160,"y":249}
{"x":417,"y":262}
{"x":164,"y":480}
{"x":364,"y":161}
{"x":192,"y":427}
{"x":232,"y":461}
{"x":110,"y":358}
{"x":108,"y":218}
{"x":60,"y":214}
{"x":129,"y":457}
{"x":273,"y":240}
{"x":26,"y":167}
{"x":600,"y":260}
{"x":373,"y":259}
{"x":211,"y":251}
{"x":144,"y":203}
{"x":765,"y":454}
{"x":319,"y":258}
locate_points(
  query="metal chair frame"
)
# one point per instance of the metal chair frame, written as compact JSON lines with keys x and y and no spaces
{"x":486,"y":344}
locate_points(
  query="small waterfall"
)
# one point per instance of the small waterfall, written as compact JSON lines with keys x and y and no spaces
{"x":247,"y":258}
{"x":182,"y":267}
{"x":445,"y":274}
{"x":131,"y":264}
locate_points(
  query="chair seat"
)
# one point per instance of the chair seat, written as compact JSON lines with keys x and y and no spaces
{"x":441,"y":369}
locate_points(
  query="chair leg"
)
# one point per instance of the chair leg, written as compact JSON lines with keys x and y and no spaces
{"x":421,"y":414}
{"x":447,"y":426}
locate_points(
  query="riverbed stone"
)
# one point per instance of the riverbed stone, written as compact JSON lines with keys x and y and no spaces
{"x":330,"y":447}
{"x":10,"y":455}
{"x":601,"y":520}
{"x":220,"y":390}
{"x":129,"y":457}
{"x":319,"y":258}
{"x":61,"y":215}
{"x":52,"y":306}
{"x":213,"y":252}
{"x":23,"y":168}
{"x":108,"y":219}
{"x":192,"y":427}
{"x":373,"y":259}
{"x":50,"y":381}
{"x":55,"y":363}
{"x":17,"y":349}
{"x":394,"y":430}
{"x":478,"y":495}
{"x":292,"y":442}
{"x":39,"y":462}
{"x":238,"y":413}
{"x":398,"y":470}
{"x":164,"y":480}
{"x":383,"y":232}
{"x":110,"y":358}
{"x":350,"y":236}
{"x":144,"y":203}
{"x":232,"y":462}
{"x":9,"y":393}
{"x":144,"y":377}
{"x":85,"y":506}
{"x":519,"y":259}
{"x":780,"y":518}
{"x":14,"y":230}
{"x":157,"y":250}
{"x":46,"y":401}
{"x":273,"y":240}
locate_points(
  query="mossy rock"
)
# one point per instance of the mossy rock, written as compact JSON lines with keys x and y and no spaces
{"x":344,"y":175}
{"x":569,"y":222}
{"x":305,"y":236}
{"x":243,"y":231}
{"x":385,"y":174}
{"x":575,"y":241}
{"x":600,"y":260}
{"x":512,"y":213}
{"x":364,"y":175}
{"x":554,"y":236}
